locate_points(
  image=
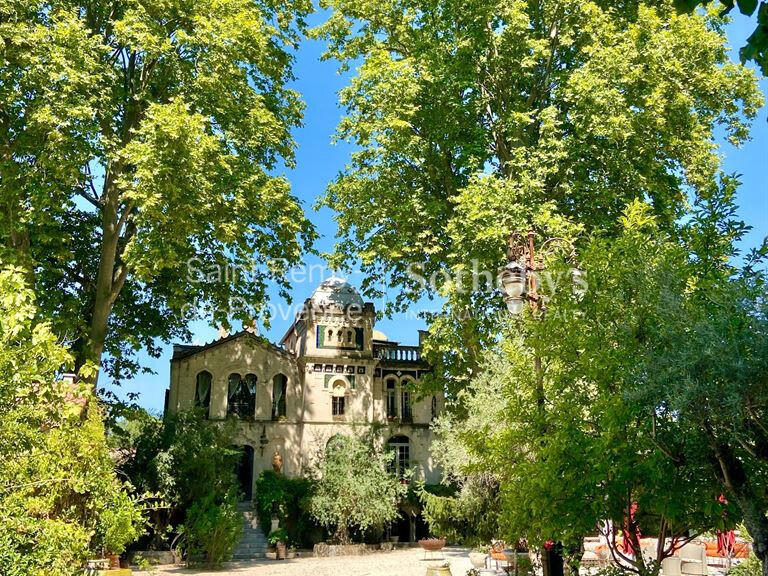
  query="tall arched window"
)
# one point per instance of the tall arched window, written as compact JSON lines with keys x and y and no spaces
{"x":203,"y":391}
{"x":401,"y":446}
{"x":391,"y":398}
{"x":405,"y":403}
{"x":279,"y":391}
{"x":434,"y":407}
{"x":241,"y":395}
{"x":234,"y":387}
{"x":338,"y":399}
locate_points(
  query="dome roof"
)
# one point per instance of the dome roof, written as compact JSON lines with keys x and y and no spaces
{"x":337,"y":292}
{"x":379,"y":335}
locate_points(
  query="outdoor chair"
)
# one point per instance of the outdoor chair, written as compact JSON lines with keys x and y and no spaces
{"x":693,"y":559}
{"x":671,"y":566}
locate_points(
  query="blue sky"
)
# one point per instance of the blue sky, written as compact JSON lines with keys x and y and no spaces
{"x":318,"y":161}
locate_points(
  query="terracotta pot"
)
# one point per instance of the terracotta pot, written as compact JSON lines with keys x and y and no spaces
{"x":114,"y":561}
{"x":281,"y":549}
{"x":432,"y":544}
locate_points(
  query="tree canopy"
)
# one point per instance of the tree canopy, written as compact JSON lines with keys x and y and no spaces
{"x":653,"y":383}
{"x":756,"y":47}
{"x":475,"y":119}
{"x":135,"y":137}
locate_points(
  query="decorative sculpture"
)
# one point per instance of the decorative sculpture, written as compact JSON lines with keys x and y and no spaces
{"x":277,"y":462}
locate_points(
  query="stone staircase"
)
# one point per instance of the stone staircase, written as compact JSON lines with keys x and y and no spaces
{"x":253,"y":543}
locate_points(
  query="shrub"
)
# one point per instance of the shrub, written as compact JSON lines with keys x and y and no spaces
{"x":213,"y":529}
{"x":751,"y":566}
{"x":188,"y":461}
{"x":59,"y":494}
{"x":121,"y":523}
{"x":469,"y":516}
{"x":286,"y":498}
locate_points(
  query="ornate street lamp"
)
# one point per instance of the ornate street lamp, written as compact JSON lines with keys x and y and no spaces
{"x":518,"y":281}
{"x":512,"y":278}
{"x":518,"y":278}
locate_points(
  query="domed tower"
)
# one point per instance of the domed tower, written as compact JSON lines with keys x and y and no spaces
{"x":335,"y":322}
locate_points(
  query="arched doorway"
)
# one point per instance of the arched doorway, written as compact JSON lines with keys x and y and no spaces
{"x":245,"y":472}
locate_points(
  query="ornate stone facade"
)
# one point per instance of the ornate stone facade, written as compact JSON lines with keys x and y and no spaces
{"x":332,"y":373}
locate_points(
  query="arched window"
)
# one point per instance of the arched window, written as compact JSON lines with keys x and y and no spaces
{"x":434,"y":407}
{"x":401,"y":446}
{"x":330,"y":335}
{"x":241,"y":395}
{"x":203,"y":391}
{"x":279,"y":391}
{"x":249,"y":394}
{"x":405,"y":403}
{"x":338,"y":399}
{"x":391,"y":398}
{"x":349,"y":337}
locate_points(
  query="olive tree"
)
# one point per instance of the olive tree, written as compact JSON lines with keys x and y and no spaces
{"x":354,"y":486}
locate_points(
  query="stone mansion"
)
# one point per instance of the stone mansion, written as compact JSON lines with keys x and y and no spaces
{"x":332,"y":373}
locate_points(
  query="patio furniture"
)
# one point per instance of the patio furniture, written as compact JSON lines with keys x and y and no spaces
{"x":693,"y":559}
{"x":497,"y":554}
{"x":671,"y":566}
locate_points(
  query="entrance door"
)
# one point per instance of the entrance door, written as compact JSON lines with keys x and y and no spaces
{"x":245,"y":472}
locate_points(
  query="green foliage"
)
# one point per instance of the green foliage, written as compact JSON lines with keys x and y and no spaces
{"x":213,"y":529}
{"x":277,"y":536}
{"x":288,"y":499}
{"x":189,"y":463}
{"x":652,"y":392}
{"x":353,"y":487}
{"x":60,"y":499}
{"x":137,"y":138}
{"x":183,"y":457}
{"x":751,"y":566}
{"x":756,"y":47}
{"x":470,"y":516}
{"x":120,"y":523}
{"x":471,"y":120}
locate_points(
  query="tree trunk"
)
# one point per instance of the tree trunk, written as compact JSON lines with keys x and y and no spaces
{"x":757,"y":525}
{"x":342,"y":534}
{"x":734,"y":478}
{"x":105,"y":279}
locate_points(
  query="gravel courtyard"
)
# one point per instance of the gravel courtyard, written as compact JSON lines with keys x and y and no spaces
{"x":407,"y":562}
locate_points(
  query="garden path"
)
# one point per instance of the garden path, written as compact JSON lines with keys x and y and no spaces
{"x":403,"y":562}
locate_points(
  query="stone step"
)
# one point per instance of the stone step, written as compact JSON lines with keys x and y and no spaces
{"x":253,"y":543}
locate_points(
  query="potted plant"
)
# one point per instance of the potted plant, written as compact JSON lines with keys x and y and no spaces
{"x":278,"y":538}
{"x":120,"y":524}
